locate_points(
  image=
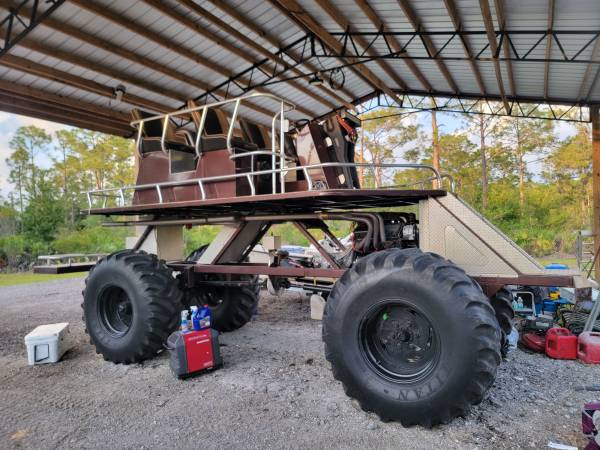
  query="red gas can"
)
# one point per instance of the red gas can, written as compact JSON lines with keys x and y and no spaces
{"x":533,"y":341}
{"x":561,"y":344}
{"x":588,"y":349}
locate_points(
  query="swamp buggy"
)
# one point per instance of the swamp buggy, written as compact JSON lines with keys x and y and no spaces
{"x":416,"y":323}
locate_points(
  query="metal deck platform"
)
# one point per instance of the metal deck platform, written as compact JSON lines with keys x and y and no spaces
{"x":286,"y":203}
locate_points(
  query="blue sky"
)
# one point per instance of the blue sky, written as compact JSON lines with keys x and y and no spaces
{"x":9,"y":123}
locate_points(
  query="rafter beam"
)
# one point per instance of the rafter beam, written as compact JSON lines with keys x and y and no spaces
{"x":502,"y":24}
{"x":429,"y":45}
{"x":469,"y":103}
{"x":90,"y":39}
{"x":295,"y":19}
{"x":293,"y":10}
{"x":22,"y":19}
{"x":60,"y":76}
{"x":188,"y":22}
{"x":458,"y":26}
{"x":250,"y":43}
{"x":268,"y":37}
{"x":84,"y":108}
{"x":583,"y":94}
{"x":72,"y":58}
{"x":548,"y":48}
{"x":491,"y":34}
{"x":29,"y":101}
{"x":343,"y":23}
{"x":145,"y":33}
{"x":56,"y":114}
{"x":593,"y":85}
{"x":394,"y":43}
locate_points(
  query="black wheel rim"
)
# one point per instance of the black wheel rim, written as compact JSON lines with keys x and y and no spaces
{"x":214,"y":299}
{"x":115,"y":311}
{"x":399,"y":342}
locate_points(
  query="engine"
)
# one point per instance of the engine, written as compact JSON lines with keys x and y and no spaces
{"x":379,"y":231}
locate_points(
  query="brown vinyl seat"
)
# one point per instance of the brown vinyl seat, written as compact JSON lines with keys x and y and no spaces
{"x":152,"y":131}
{"x":216,"y":127}
{"x":256,"y":134}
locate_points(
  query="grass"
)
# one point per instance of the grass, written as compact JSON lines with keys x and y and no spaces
{"x":570,"y":262}
{"x":11,"y":279}
{"x":30,"y":277}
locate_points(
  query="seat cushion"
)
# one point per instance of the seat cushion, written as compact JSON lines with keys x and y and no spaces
{"x":149,"y":145}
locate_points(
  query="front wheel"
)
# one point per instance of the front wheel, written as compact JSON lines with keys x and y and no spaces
{"x":130,"y":303}
{"x":411,"y":337}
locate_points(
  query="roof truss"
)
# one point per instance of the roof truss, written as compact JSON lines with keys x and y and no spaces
{"x":311,"y":46}
{"x":414,"y":41}
{"x":22,"y":19}
{"x":489,"y":105}
{"x":323,"y":40}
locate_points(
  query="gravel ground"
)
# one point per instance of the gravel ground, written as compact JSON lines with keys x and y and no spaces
{"x":275,"y":391}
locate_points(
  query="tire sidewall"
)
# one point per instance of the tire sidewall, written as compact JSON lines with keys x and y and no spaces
{"x":122,"y":276}
{"x":432,"y":300}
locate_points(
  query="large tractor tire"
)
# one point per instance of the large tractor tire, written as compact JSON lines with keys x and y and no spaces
{"x":502,"y":304}
{"x":411,"y":337}
{"x":131,"y":304}
{"x":231,"y":307}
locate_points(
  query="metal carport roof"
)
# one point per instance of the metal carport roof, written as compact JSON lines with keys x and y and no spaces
{"x":64,"y":60}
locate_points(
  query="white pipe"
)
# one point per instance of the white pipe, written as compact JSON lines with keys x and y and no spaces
{"x":199,"y":132}
{"x":282,"y":163}
{"x":164,"y":134}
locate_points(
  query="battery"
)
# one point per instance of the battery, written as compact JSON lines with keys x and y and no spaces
{"x":194,"y":352}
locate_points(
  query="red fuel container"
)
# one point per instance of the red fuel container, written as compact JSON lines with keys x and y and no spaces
{"x":533,"y":341}
{"x":588,"y":348}
{"x":561,"y":344}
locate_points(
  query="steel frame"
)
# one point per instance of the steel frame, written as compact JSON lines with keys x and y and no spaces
{"x":19,"y":23}
{"x":193,"y":270}
{"x":310,"y":47}
{"x":493,"y":105}
{"x":417,"y":40}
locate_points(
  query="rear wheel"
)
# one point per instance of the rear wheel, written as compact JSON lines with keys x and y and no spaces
{"x":231,"y":307}
{"x":411,"y":337}
{"x":502,"y":304}
{"x":130,"y":303}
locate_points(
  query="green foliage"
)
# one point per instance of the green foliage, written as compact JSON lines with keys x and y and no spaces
{"x":8,"y":219}
{"x":488,"y":159}
{"x":45,"y":203}
{"x":13,"y":249}
{"x":383,"y":135}
{"x":291,"y":236}
{"x":43,"y":214}
{"x":198,"y":236}
{"x":91,"y":238}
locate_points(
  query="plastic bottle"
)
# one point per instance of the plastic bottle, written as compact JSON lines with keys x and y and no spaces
{"x":513,"y":339}
{"x":185,"y":326}
{"x":205,"y":317}
{"x":195,"y":318}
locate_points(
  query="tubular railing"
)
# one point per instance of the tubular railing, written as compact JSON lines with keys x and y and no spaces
{"x":444,"y":176}
{"x":284,"y":106}
{"x":119,"y":193}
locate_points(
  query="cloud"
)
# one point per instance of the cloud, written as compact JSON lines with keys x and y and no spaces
{"x":9,"y":123}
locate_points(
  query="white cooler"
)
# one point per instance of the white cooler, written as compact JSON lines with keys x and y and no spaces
{"x":47,"y":343}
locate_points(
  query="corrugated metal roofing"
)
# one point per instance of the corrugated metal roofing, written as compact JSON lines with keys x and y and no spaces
{"x":178,"y":52}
